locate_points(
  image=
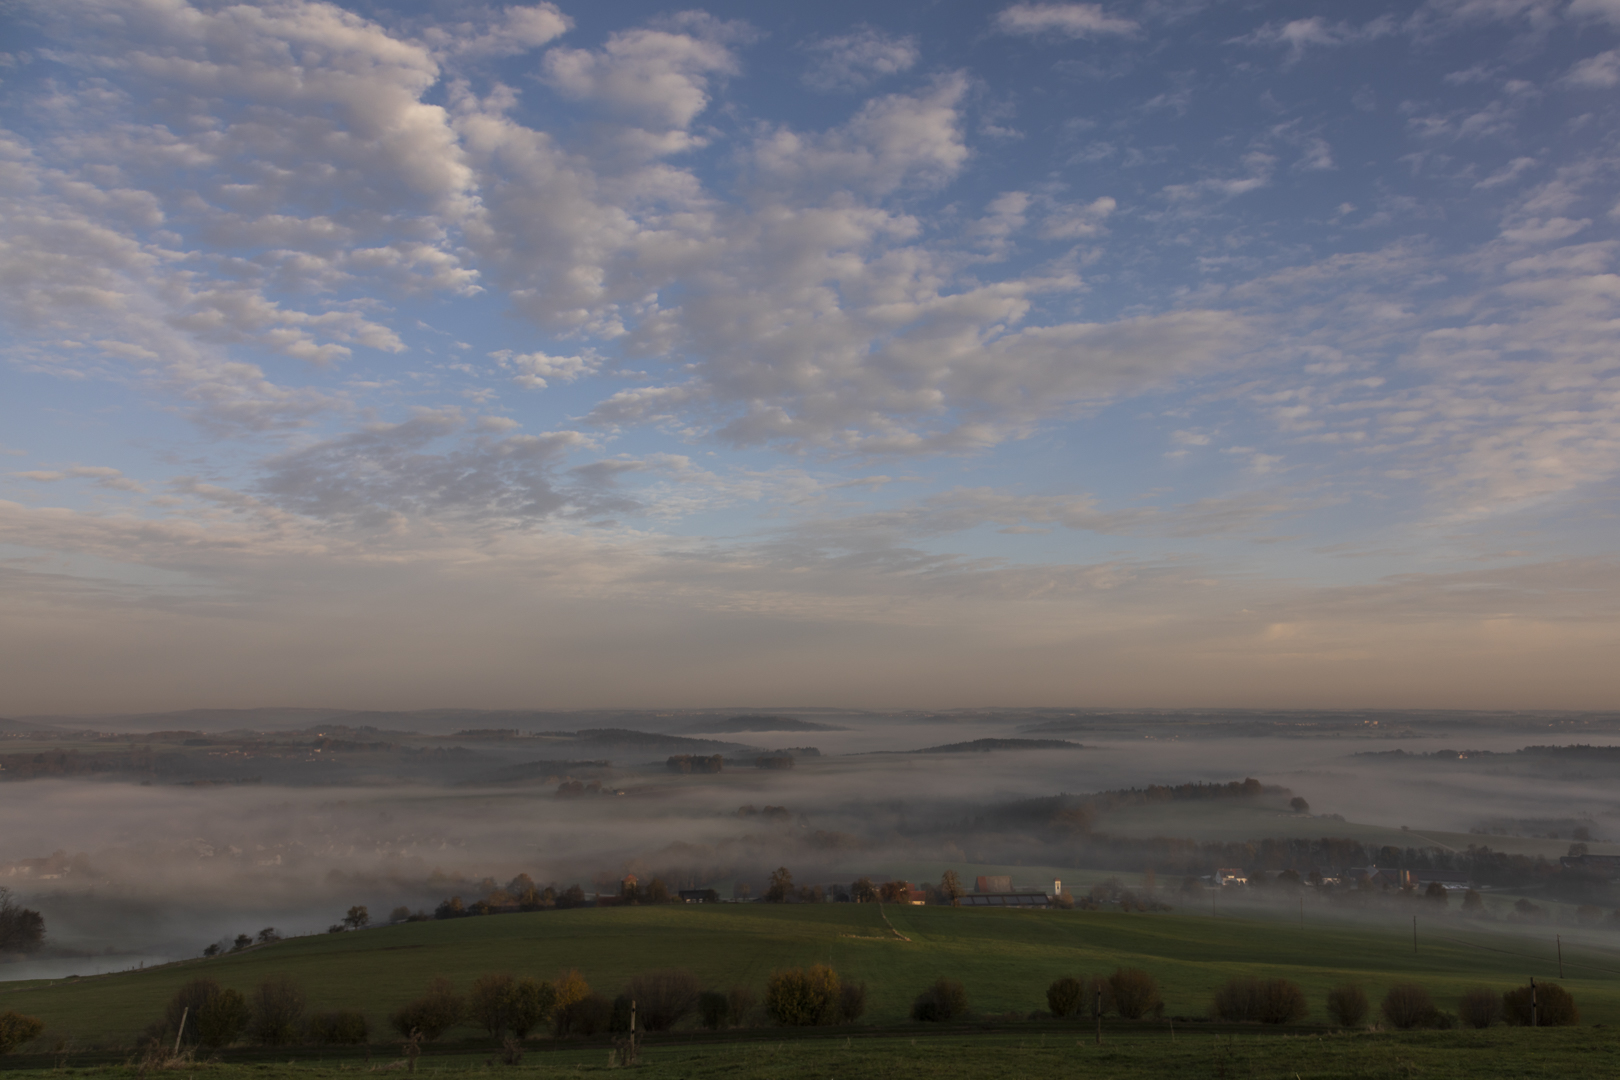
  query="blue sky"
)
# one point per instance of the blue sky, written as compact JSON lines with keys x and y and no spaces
{"x":924,"y":354}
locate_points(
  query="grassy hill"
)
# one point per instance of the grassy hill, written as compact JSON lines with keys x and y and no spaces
{"x":1005,"y":958}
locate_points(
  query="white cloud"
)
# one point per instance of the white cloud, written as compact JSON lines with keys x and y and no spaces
{"x":516,"y":31}
{"x":1300,"y":35}
{"x":856,"y":60}
{"x":1071,"y":221}
{"x":1601,"y":9}
{"x":893,"y":140}
{"x":658,"y":80}
{"x":1599,"y":72}
{"x":1062,"y":20}
{"x":534,"y":369}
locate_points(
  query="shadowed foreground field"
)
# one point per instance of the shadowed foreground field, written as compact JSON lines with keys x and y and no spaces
{"x":1452,"y":1054}
{"x":1006,"y":959}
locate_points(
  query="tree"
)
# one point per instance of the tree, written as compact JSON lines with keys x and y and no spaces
{"x":1267,"y":1001}
{"x":430,"y":1015}
{"x":1554,"y":1007}
{"x":268,"y":935}
{"x":278,"y":1012}
{"x":531,"y":1003}
{"x":1408,"y":1005}
{"x":17,"y":1030}
{"x":1473,"y":902}
{"x":213,"y":1016}
{"x":663,"y":997}
{"x":950,"y":887}
{"x":340,"y":1027}
{"x":1480,"y":1007}
{"x":1063,"y":996}
{"x":242,"y":941}
{"x":713,"y":1010}
{"x":802,"y":997}
{"x":1298,"y":805}
{"x":357,"y":917}
{"x":22,"y":930}
{"x":399,"y":914}
{"x":1436,"y":894}
{"x":781,"y":885}
{"x":1347,"y":1005}
{"x":863,"y":891}
{"x":945,"y":1000}
{"x":1136,"y":993}
{"x":851,"y":1001}
{"x":489,"y":1004}
{"x":895,"y":892}
{"x":452,"y":908}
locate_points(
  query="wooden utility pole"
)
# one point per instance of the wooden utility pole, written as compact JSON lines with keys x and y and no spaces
{"x":1096,"y":1007}
{"x":185,"y":1012}
{"x":1534,"y":1020}
{"x":1414,"y":934}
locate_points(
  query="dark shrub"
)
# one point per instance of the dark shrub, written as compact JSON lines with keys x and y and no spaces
{"x":663,"y":998}
{"x":530,"y":1005}
{"x":945,"y":1000}
{"x":851,"y":1001}
{"x":501,"y":1004}
{"x":1554,"y":1006}
{"x":489,"y":1004}
{"x":1408,"y":1005}
{"x":1096,"y":996}
{"x":340,"y":1027}
{"x":589,"y":1015}
{"x":1480,"y":1007}
{"x":1063,"y":996}
{"x":1266,"y":1001}
{"x":186,"y":1006}
{"x":714,"y":1011}
{"x":1347,"y":1005}
{"x":430,"y":1015}
{"x":222,"y":1019}
{"x":17,"y":1030}
{"x":740,"y":1003}
{"x":803,"y":996}
{"x":623,"y":1015}
{"x":277,"y":1012}
{"x":1136,"y":993}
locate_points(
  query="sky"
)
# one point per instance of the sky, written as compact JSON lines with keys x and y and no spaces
{"x":918,"y":355}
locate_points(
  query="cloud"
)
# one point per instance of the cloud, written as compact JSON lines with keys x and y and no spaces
{"x":1599,"y":72}
{"x":518,"y":30}
{"x":1302,"y":34}
{"x":104,"y":476}
{"x":855,"y":60}
{"x":657,"y":80}
{"x":385,"y":475}
{"x":1600,"y":9}
{"x":1062,"y":20}
{"x":534,"y":369}
{"x":892,"y":140}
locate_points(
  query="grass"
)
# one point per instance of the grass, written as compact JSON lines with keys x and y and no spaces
{"x":1005,"y":958}
{"x":1014,"y":1056}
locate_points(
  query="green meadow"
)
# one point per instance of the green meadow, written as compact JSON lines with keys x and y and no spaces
{"x":1004,"y":958}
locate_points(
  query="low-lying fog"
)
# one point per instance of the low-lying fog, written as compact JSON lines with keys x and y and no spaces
{"x":231,"y":832}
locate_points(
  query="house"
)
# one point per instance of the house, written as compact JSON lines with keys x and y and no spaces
{"x":1230,"y":875}
{"x":995,"y":883}
{"x":1005,"y":899}
{"x":699,"y":896}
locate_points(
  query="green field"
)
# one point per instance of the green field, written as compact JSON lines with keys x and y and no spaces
{"x":1005,"y":958}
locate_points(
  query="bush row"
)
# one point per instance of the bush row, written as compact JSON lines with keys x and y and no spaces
{"x":1134,"y":994}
